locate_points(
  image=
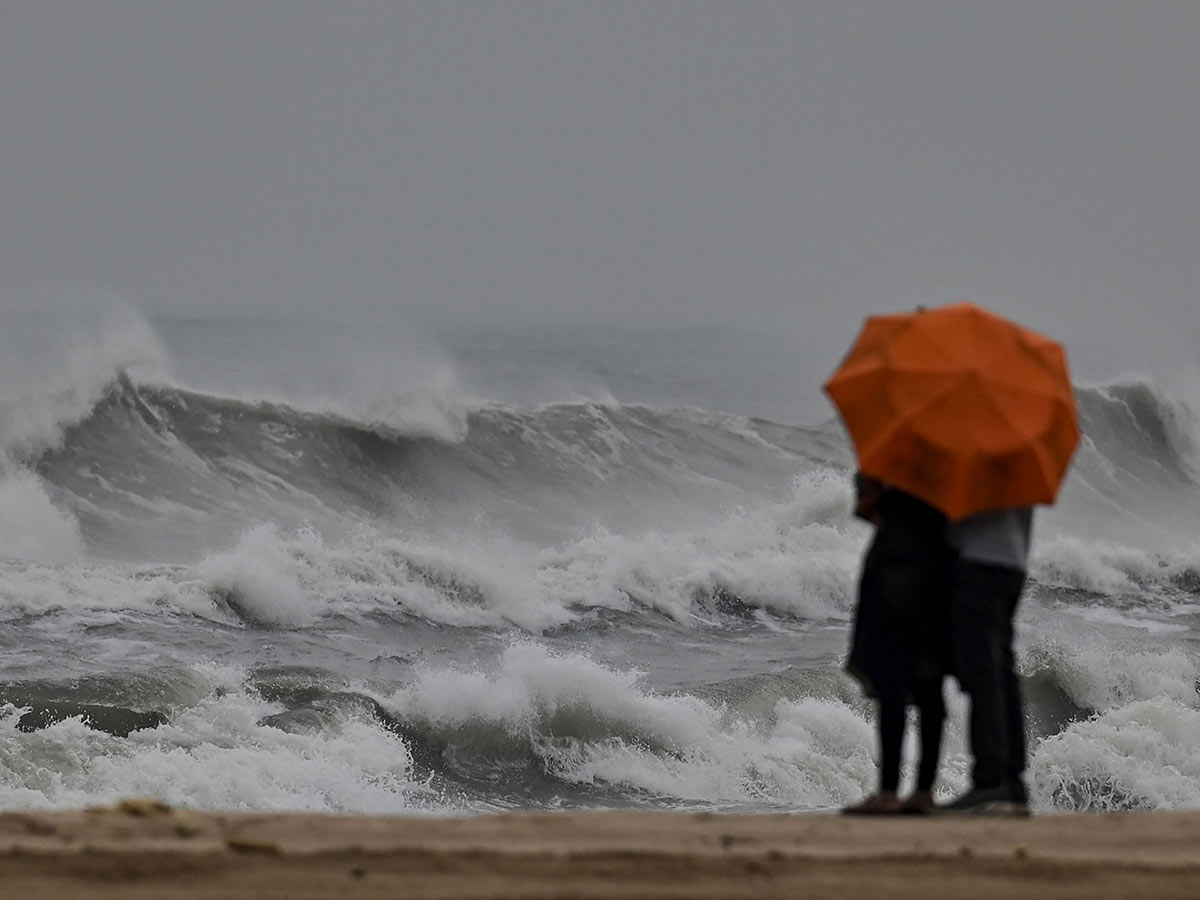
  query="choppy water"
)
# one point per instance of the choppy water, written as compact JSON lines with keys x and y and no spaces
{"x":281,"y":566}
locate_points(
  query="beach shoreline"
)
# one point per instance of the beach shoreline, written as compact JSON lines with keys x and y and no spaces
{"x":143,"y":849}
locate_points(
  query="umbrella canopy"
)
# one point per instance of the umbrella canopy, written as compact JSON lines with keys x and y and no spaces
{"x":960,"y":407}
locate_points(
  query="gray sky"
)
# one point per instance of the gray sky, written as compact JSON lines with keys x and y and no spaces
{"x":791,"y":166}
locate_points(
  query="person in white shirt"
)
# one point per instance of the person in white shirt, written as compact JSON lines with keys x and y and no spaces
{"x":987,"y":578}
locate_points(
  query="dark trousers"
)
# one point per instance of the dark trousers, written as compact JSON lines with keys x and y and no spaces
{"x":982,"y":607}
{"x":926,"y":695}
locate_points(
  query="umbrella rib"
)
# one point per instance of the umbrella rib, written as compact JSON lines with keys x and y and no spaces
{"x":1002,"y":412}
{"x":886,"y":434}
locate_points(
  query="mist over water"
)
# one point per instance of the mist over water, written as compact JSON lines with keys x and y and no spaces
{"x":297,"y":565}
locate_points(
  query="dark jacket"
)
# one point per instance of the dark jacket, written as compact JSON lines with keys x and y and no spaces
{"x":901,"y":626}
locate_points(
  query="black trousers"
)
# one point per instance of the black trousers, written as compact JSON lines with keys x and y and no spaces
{"x":982,"y":607}
{"x":926,"y":695}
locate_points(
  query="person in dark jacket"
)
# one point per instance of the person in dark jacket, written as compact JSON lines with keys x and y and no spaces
{"x":992,"y":553}
{"x":900,"y":648}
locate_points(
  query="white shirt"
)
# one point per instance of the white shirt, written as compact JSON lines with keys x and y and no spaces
{"x":998,"y":538}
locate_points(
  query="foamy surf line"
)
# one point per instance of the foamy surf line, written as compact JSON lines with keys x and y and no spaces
{"x":142,"y":845}
{"x":537,"y":728}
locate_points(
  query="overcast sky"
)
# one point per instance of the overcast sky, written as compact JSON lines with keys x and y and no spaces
{"x":791,"y":166}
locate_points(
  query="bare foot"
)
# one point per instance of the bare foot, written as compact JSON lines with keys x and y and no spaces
{"x":885,"y":803}
{"x":919,"y":803}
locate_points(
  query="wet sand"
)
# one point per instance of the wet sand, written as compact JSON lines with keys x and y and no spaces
{"x":140,"y":849}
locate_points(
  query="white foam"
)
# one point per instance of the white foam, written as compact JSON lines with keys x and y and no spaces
{"x":1100,"y":566}
{"x":433,"y":404}
{"x":1104,"y":673}
{"x":594,"y":725}
{"x":32,"y":527}
{"x":259,"y":575}
{"x":390,"y":379}
{"x":799,"y":557}
{"x":93,"y":593}
{"x":1105,"y":616}
{"x":294,"y":580}
{"x":1138,"y":748}
{"x":57,"y":362}
{"x":463,"y":580}
{"x":216,"y":756}
{"x":1139,"y":756}
{"x":1114,"y":569}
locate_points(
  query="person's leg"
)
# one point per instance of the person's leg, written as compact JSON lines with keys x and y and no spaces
{"x":976,"y":628}
{"x":890,"y":728}
{"x":931,"y":709}
{"x":983,"y":606}
{"x":931,"y":718}
{"x":892,"y":719}
{"x":1014,"y":707}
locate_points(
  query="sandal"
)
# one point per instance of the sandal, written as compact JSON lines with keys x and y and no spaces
{"x":882,"y":804}
{"x":919,"y":803}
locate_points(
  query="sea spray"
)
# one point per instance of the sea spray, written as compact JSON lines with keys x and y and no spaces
{"x":32,"y":526}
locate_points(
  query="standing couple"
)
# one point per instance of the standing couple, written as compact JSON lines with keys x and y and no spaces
{"x":967,"y":420}
{"x":938,"y":597}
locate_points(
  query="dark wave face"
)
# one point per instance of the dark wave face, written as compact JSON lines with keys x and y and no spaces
{"x":1134,"y":478}
{"x":1141,"y":434}
{"x":202,"y":467}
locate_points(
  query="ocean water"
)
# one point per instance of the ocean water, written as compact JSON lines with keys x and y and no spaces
{"x":268,"y":565}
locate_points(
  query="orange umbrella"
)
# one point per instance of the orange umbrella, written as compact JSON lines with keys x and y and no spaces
{"x":964,"y":409}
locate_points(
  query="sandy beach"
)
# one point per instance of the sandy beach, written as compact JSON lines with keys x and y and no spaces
{"x":140,"y":849}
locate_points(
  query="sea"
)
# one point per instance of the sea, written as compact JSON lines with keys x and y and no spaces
{"x":262,"y":564}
